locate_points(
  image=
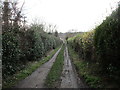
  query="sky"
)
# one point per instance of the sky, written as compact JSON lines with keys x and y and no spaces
{"x":81,"y":15}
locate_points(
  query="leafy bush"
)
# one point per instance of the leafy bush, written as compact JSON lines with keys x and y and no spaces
{"x":107,"y":44}
{"x":20,"y":46}
{"x":83,"y":44}
{"x":22,"y":43}
{"x":103,"y":46}
{"x":26,"y":41}
{"x":38,"y":46}
{"x":11,"y":53}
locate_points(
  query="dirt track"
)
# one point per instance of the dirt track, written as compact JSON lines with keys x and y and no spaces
{"x":37,"y":78}
{"x":69,"y":76}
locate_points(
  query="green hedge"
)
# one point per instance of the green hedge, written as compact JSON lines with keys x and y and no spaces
{"x":21,"y":46}
{"x":83,"y":44}
{"x":107,"y":44}
{"x":11,"y":53}
{"x":102,"y":46}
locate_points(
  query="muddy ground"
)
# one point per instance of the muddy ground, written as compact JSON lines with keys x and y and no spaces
{"x":69,"y":76}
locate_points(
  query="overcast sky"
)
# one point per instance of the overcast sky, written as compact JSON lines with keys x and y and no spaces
{"x":82,"y":15}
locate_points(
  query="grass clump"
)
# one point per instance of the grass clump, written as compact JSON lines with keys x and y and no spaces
{"x":53,"y":76}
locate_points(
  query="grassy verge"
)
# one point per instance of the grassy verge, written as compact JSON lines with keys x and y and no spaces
{"x":86,"y":70}
{"x":30,"y":67}
{"x":53,"y":77}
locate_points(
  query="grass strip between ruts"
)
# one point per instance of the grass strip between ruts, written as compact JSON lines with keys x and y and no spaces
{"x":53,"y":76}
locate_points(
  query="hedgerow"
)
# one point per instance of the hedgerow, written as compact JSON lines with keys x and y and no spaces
{"x":83,"y":44}
{"x":23,"y":46}
{"x":102,"y":46}
{"x":11,"y":53}
{"x":22,"y":43}
{"x":107,"y":44}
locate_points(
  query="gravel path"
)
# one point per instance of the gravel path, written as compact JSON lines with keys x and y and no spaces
{"x":69,"y":76}
{"x":37,"y":78}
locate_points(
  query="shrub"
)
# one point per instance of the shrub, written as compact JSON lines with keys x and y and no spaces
{"x":83,"y":44}
{"x":107,"y":44}
{"x":20,"y":46}
{"x":11,"y":53}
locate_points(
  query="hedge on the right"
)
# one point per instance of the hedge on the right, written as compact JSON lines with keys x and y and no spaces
{"x":107,"y":44}
{"x":101,"y":47}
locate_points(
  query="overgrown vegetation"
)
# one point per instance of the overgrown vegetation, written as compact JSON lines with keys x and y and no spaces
{"x":53,"y":77}
{"x":85,"y":69}
{"x":83,"y":44}
{"x":107,"y":44}
{"x":100,"y":47}
{"x":22,"y":43}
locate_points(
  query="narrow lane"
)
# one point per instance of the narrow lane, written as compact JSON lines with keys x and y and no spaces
{"x":37,"y":78}
{"x":68,"y":77}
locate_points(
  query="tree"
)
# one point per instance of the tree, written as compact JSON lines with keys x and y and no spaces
{"x":51,"y":29}
{"x":6,"y":16}
{"x":56,"y":33}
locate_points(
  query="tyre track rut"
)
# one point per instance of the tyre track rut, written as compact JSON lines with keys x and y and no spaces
{"x":69,"y":78}
{"x":37,"y":78}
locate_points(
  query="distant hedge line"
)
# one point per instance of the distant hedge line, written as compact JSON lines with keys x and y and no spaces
{"x":101,"y":46}
{"x":21,"y":46}
{"x":83,"y":44}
